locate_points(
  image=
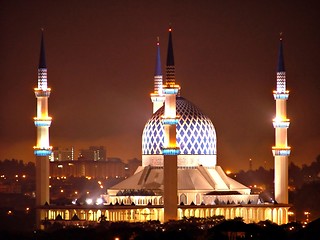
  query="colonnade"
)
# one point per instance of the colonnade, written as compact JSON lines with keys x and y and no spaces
{"x":253,"y":213}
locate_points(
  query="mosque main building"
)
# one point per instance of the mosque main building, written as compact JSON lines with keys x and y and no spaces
{"x":179,"y":176}
{"x":200,"y":180}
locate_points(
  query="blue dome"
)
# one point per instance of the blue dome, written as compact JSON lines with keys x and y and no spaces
{"x":196,"y":134}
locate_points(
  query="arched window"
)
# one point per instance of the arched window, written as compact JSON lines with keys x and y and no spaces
{"x":67,"y":215}
{"x":198,"y":201}
{"x":183,"y":199}
{"x":268,"y":214}
{"x":90,"y":215}
{"x":274,"y":215}
{"x":82,"y":215}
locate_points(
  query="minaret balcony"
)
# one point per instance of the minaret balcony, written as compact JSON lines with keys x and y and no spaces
{"x":42,"y":92}
{"x":281,"y":95}
{"x":170,"y":121}
{"x":42,"y":122}
{"x":172,"y":151}
{"x":42,"y":152}
{"x":171,"y":89}
{"x":281,"y":151}
{"x":281,"y":123}
{"x":157,"y":98}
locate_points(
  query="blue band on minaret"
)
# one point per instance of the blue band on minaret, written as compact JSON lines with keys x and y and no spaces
{"x":280,"y":58}
{"x":42,"y":60}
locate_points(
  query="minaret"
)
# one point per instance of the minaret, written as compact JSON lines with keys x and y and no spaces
{"x":42,"y":121}
{"x":281,"y":150}
{"x":170,"y":149}
{"x":157,"y":97}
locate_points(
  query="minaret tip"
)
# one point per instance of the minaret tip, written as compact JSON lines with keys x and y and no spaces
{"x":170,"y":58}
{"x":42,"y":60}
{"x":157,"y":97}
{"x":158,"y":71}
{"x":281,"y":67}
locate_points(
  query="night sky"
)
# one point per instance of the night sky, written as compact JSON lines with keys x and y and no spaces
{"x":101,"y":60}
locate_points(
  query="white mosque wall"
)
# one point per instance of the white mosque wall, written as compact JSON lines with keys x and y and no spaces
{"x":183,"y":160}
{"x":185,"y":197}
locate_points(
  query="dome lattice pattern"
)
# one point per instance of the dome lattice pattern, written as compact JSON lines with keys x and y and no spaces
{"x":195,"y":132}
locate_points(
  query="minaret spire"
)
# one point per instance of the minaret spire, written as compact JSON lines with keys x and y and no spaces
{"x":170,"y":149}
{"x":158,"y":71}
{"x":281,"y":72}
{"x":157,"y":97}
{"x":170,"y":68}
{"x":281,"y":150}
{"x":42,"y":121}
{"x":42,"y":60}
{"x":42,"y":68}
{"x":280,"y":57}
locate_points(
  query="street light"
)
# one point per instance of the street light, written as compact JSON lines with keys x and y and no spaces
{"x":307,"y":214}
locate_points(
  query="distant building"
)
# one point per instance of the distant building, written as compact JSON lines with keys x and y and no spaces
{"x":10,"y":188}
{"x":113,"y":168}
{"x":93,"y":153}
{"x":62,"y":154}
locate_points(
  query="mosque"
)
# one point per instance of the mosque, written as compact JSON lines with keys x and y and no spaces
{"x":179,"y":176}
{"x":200,"y":180}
